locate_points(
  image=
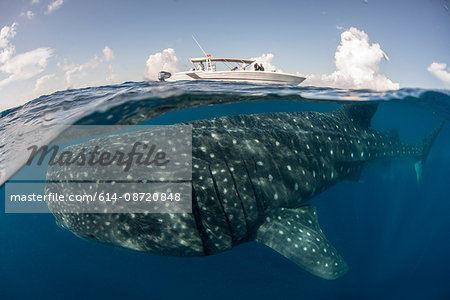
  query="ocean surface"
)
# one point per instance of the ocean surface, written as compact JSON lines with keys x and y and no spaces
{"x":393,"y":231}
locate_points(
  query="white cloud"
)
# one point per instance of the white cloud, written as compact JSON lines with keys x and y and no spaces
{"x":7,"y":49}
{"x":25,"y":65}
{"x":95,"y":62}
{"x":71,"y":69}
{"x":28,"y":14}
{"x":441,"y":71}
{"x":7,"y":33}
{"x":165,"y":60}
{"x":16,"y":70}
{"x":266,"y":61}
{"x":357,"y":64}
{"x":35,"y":1}
{"x":41,"y":81}
{"x":108,"y":54}
{"x":21,"y":66}
{"x":112,"y":75}
{"x":54,"y":5}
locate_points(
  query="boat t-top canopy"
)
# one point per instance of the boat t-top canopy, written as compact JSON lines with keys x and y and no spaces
{"x":215,"y":59}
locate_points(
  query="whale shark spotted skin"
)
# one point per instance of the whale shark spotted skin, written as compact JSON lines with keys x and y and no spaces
{"x":251,"y":178}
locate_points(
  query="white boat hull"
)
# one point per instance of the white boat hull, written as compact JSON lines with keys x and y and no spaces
{"x":246,"y":76}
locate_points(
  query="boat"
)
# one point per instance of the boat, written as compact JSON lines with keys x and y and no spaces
{"x":239,"y":69}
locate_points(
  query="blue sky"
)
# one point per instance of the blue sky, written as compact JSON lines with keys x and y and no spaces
{"x":48,"y":45}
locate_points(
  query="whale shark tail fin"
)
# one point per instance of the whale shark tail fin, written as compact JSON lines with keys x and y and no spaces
{"x":360,"y":114}
{"x":426,"y":147}
{"x":296,"y":234}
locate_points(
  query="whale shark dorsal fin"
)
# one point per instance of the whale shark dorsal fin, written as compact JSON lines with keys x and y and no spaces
{"x":359,"y":114}
{"x":296,"y":234}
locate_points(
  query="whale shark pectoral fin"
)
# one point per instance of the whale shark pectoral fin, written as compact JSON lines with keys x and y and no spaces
{"x":296,"y":234}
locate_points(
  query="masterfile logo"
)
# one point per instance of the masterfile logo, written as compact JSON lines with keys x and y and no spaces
{"x":104,"y":158}
{"x":153,"y":153}
{"x":107,"y":169}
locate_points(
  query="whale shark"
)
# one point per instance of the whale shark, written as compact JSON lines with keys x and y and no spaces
{"x":252,"y":178}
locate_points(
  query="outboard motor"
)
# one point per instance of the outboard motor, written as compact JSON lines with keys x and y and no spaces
{"x":163,"y":75}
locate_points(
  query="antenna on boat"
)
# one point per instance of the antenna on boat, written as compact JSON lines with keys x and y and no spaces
{"x":209,"y":65}
{"x":199,"y":45}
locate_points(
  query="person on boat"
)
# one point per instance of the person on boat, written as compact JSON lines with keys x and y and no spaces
{"x":256,"y":67}
{"x":261,"y":68}
{"x":201,"y":67}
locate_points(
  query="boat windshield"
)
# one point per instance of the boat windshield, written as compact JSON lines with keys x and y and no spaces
{"x":209,"y":63}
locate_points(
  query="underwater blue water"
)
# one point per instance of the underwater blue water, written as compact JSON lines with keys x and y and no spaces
{"x":393,"y":231}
